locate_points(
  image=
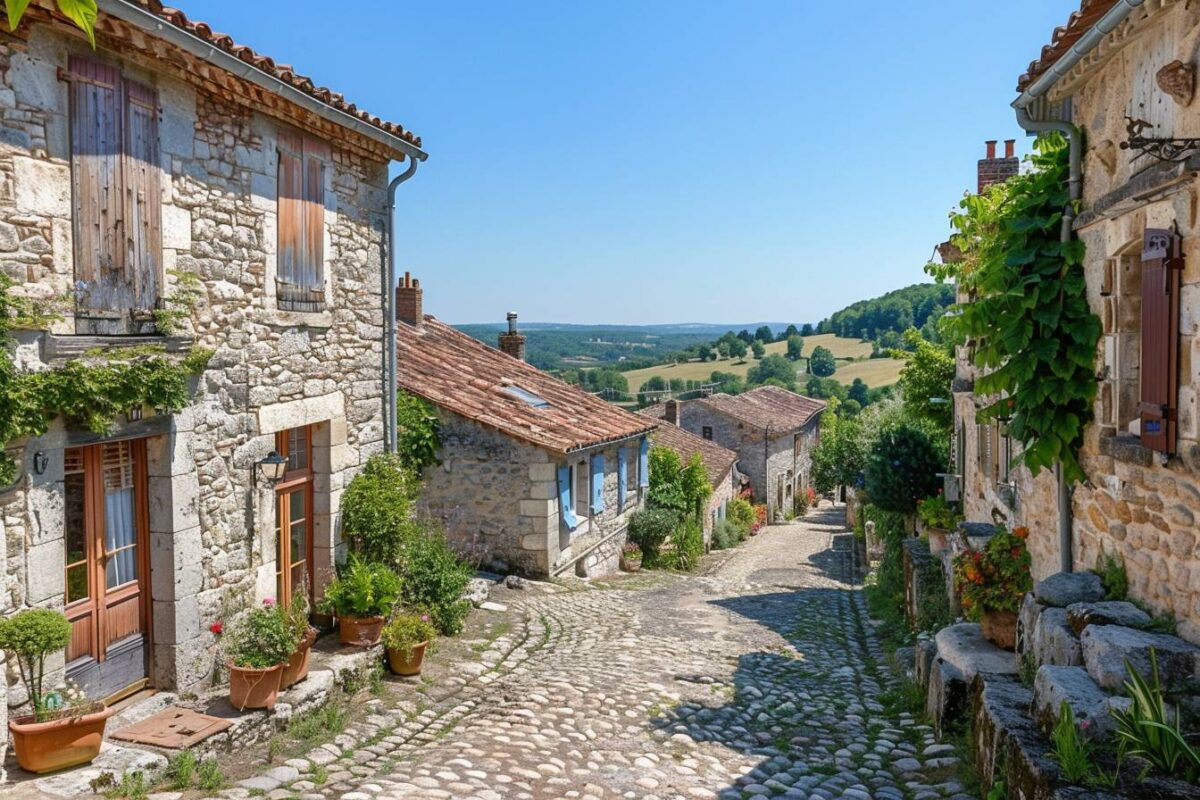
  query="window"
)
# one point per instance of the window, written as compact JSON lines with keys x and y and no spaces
{"x":300,"y":281}
{"x":706,"y":432}
{"x":294,"y":516}
{"x":526,"y":396}
{"x":116,"y":199}
{"x":631,"y":474}
{"x":582,"y":490}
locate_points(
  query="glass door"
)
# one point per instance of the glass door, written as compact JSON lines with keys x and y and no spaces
{"x":293,"y":516}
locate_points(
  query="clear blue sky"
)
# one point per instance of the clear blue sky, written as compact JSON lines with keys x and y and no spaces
{"x":668,"y":161}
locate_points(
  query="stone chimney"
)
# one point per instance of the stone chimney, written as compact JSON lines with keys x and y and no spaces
{"x":513,"y":342}
{"x":671,"y":412}
{"x":408,"y":302}
{"x":997,"y":170}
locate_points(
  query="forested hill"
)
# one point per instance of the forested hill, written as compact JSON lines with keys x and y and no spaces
{"x":883,"y":320}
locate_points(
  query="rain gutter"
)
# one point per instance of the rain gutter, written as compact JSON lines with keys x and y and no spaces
{"x":1032,"y":124}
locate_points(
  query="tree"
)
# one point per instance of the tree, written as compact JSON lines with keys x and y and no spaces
{"x":860,"y":392}
{"x":789,"y":332}
{"x":723,"y":348}
{"x":822,"y":362}
{"x":824,"y":388}
{"x":759,"y":349}
{"x":727,"y":382}
{"x":927,"y":376}
{"x":706,"y":353}
{"x":746,"y":336}
{"x":677,"y":487}
{"x":838,"y":459}
{"x":80,"y":12}
{"x":764,"y":334}
{"x":806,"y":329}
{"x":795,"y":347}
{"x":737,"y":348}
{"x":773,"y":369}
{"x":902,"y":467}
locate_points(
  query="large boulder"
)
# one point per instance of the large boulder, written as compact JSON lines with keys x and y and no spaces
{"x":1064,"y":588}
{"x":1054,"y":642}
{"x":1106,"y":612}
{"x":964,"y":647}
{"x":946,"y":697}
{"x":1106,"y":648}
{"x":1006,"y":745}
{"x":1091,"y":706}
{"x":1027,"y":618}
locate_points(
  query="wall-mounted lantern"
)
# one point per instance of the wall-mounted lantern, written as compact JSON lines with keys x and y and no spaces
{"x":272,"y":468}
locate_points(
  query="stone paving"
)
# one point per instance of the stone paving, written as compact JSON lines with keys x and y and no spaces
{"x":760,"y":678}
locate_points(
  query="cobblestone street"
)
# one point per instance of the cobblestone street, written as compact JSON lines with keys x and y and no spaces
{"x":758,"y":678}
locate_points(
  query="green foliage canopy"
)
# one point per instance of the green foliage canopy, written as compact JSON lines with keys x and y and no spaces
{"x":902,"y":467}
{"x":927,"y":375}
{"x":822,"y":363}
{"x":774,"y":369}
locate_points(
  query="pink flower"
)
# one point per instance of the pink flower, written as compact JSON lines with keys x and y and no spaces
{"x":216,"y":627}
{"x":424,"y":618}
{"x":268,"y":601}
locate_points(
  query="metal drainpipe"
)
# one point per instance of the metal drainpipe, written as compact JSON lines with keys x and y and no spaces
{"x":1105,"y":25}
{"x":389,"y":310}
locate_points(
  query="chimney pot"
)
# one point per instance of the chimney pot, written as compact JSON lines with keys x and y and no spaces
{"x":512,"y":322}
{"x":409,"y":302}
{"x":991,"y":149}
{"x":513,"y":342}
{"x":671,"y":412}
{"x":1010,"y":148}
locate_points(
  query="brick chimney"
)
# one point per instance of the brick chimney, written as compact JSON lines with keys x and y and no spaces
{"x":408,"y":302}
{"x":997,"y":170}
{"x":513,"y":342}
{"x":671,"y":412}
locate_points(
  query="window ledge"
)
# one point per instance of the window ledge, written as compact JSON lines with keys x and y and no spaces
{"x":62,"y":347}
{"x":1128,"y":449}
{"x":279,"y":318}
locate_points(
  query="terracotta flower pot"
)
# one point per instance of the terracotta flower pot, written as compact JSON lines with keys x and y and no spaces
{"x":254,"y":688}
{"x":58,"y":743}
{"x":410,"y":665}
{"x":629,"y":564}
{"x":297,"y":666}
{"x":360,"y":631}
{"x":1000,"y":628}
{"x":939,"y":540}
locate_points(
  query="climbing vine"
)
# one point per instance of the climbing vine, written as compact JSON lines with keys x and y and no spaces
{"x":1028,"y":321}
{"x":417,"y":431}
{"x":91,"y":391}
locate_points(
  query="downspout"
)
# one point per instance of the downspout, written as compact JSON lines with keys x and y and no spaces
{"x":389,"y":310}
{"x":1089,"y":41}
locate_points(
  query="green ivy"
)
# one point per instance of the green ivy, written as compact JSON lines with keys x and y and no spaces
{"x":1028,"y":319}
{"x":417,"y":431}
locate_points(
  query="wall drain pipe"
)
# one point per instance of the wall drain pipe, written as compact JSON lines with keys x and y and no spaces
{"x":1036,"y":91}
{"x":389,"y":309}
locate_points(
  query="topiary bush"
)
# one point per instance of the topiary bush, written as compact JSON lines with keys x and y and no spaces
{"x":29,"y":636}
{"x":377,"y":509}
{"x":433,"y":579}
{"x":902,"y":468}
{"x":649,"y":529}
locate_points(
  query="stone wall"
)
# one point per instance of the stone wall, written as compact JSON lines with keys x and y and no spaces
{"x":211,"y":531}
{"x":718,"y":503}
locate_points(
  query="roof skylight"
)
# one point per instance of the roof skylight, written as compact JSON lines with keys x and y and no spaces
{"x":526,"y":396}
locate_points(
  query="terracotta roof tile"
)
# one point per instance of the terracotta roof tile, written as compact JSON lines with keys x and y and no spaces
{"x":284,"y":72}
{"x":1064,"y":37}
{"x":461,"y":374}
{"x":767,"y":406}
{"x":717,"y":459}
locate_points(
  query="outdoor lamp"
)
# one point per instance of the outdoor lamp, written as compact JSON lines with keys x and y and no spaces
{"x":273,"y":467}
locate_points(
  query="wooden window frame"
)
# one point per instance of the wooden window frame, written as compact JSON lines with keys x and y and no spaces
{"x":293,"y":480}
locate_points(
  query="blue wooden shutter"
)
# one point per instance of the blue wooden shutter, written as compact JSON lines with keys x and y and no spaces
{"x":598,"y":483}
{"x":622,"y":477}
{"x":644,"y":463}
{"x":566,"y":504}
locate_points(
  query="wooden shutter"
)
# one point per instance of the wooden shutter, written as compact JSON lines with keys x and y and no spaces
{"x":290,"y":208}
{"x":301,"y":213}
{"x":1162,"y":263}
{"x":143,"y":194}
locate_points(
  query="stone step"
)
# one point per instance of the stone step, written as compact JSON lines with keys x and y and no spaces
{"x":1054,"y":641}
{"x":1064,"y":588}
{"x":964,"y":647}
{"x":1106,"y":612}
{"x":1090,"y":704}
{"x":1006,"y":745}
{"x":1106,"y":648}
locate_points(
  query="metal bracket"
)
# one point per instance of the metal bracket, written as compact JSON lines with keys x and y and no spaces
{"x":1166,"y":150}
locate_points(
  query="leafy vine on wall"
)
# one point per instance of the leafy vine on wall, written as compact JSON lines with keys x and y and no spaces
{"x":1034,"y":334}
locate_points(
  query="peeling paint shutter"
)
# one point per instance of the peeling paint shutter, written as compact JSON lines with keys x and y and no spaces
{"x":622,"y":477}
{"x":644,"y":463}
{"x":565,"y":503}
{"x":289,"y":210}
{"x":301,"y":221}
{"x":1162,"y":263}
{"x":598,"y":483}
{"x":143,"y":194}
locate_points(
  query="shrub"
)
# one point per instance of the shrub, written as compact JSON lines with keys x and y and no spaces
{"x":649,"y":529}
{"x":362,"y":589}
{"x":902,"y":467}
{"x":675,"y":486}
{"x":1147,"y":730}
{"x":996,"y":578}
{"x":822,"y":363}
{"x":801,"y":504}
{"x":405,"y":631}
{"x":417,"y":432}
{"x":889,"y":580}
{"x":377,"y":509}
{"x":687,"y":545}
{"x":726,"y":534}
{"x":935,"y":512}
{"x":433,"y":579}
{"x":29,"y":636}
{"x":741,"y":514}
{"x":259,"y":638}
{"x":1113,"y":577}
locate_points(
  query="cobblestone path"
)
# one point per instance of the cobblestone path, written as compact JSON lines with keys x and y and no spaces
{"x":759,"y":678}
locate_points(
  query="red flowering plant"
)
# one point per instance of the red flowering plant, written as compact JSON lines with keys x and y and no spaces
{"x":996,"y":577}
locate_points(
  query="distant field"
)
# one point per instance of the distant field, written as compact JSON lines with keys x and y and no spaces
{"x":875,"y":372}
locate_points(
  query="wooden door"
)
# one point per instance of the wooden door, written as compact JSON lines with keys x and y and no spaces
{"x":107,"y":567}
{"x":294,"y":517}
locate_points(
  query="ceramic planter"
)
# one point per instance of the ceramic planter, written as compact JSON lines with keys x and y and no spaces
{"x":1000,"y":628}
{"x":297,"y":666}
{"x":58,"y":743}
{"x":360,"y":631}
{"x":411,"y":665}
{"x":254,"y":688}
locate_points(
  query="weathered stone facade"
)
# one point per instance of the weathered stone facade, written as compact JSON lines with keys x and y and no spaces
{"x":1137,"y":505}
{"x":211,"y":536}
{"x":498,"y":499}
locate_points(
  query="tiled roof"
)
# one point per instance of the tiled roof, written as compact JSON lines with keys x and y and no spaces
{"x":284,"y":72}
{"x":717,"y":460}
{"x":1081,"y":21}
{"x":461,"y":374}
{"x":767,"y":406}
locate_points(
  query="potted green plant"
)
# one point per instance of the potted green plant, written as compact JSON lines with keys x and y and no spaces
{"x":938,"y":519}
{"x":65,"y":728}
{"x":303,"y":635}
{"x":406,"y":636}
{"x":257,"y":647}
{"x":992,"y":582}
{"x":361,"y":597}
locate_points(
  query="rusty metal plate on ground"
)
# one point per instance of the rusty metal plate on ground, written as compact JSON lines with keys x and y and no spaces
{"x":175,"y":728}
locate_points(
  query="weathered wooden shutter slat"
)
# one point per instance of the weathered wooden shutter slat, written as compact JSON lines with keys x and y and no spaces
{"x":301,"y":212}
{"x":314,"y":219}
{"x":291,"y":222}
{"x":1162,"y":263}
{"x":142,"y":188}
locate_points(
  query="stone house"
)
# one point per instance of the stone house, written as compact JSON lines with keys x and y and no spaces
{"x":1138,"y":220}
{"x":171,"y":150}
{"x":772,"y":430}
{"x":720,"y":464}
{"x":534,"y":475}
